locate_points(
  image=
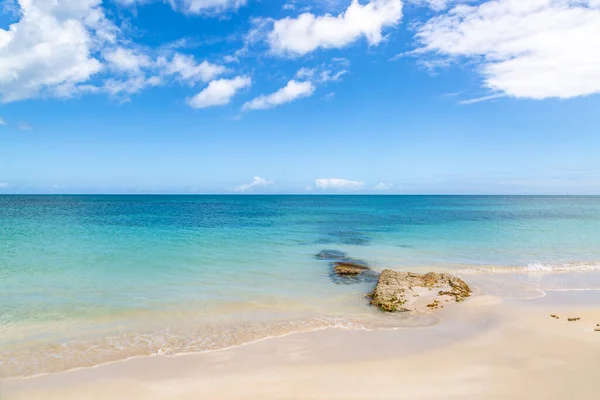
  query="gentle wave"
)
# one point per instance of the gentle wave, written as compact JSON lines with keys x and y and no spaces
{"x":52,"y":358}
{"x":532,"y":268}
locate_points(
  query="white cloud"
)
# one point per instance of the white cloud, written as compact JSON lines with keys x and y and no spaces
{"x":195,"y":6}
{"x":384,"y":186}
{"x":307,"y":32}
{"x":128,"y":86}
{"x":68,"y":47}
{"x":339,"y":184}
{"x":256,"y":182}
{"x":4,"y":185}
{"x":294,"y":90}
{"x":186,"y":68}
{"x":49,"y":50}
{"x":127,"y":60}
{"x":139,"y":71}
{"x":2,"y":121}
{"x":439,"y":5}
{"x":533,"y":49}
{"x":211,"y":6}
{"x":219,"y":92}
{"x":326,"y":72}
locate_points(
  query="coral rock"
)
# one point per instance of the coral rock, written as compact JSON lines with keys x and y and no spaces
{"x":349,"y":268}
{"x":394,"y":289}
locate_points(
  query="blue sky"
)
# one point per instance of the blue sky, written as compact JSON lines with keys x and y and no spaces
{"x":305,"y":96}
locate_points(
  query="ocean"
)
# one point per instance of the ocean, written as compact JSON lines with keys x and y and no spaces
{"x":86,"y":280}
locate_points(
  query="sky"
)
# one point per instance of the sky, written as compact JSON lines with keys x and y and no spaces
{"x":300,"y":96}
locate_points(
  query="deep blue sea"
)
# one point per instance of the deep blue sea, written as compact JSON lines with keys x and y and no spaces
{"x":90,"y":279}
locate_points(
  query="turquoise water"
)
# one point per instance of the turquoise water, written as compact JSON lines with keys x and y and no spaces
{"x":189,"y":273}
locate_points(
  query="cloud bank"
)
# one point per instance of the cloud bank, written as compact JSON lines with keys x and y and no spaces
{"x":339,"y":184}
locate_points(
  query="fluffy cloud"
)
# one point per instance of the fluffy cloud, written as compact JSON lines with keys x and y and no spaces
{"x":256,"y":182}
{"x":308,"y":32}
{"x":439,"y":5}
{"x":124,"y":88}
{"x":324,"y":73}
{"x":339,"y":184}
{"x":220,"y":92}
{"x":195,"y":6}
{"x":139,"y":71}
{"x":68,"y":47}
{"x":2,"y":121}
{"x":533,"y":49}
{"x":49,"y":50}
{"x":127,"y":60}
{"x":4,"y":185}
{"x":186,"y":68}
{"x":294,"y":90}
{"x":211,"y":6}
{"x":436,"y":4}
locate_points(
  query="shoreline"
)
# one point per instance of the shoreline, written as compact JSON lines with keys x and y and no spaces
{"x":360,"y":317}
{"x":502,"y":325}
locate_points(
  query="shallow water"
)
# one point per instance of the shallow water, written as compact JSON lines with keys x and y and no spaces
{"x":131,"y":275}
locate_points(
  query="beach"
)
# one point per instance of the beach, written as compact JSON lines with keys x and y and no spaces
{"x":484,"y":348}
{"x":175,"y":297}
{"x":299,"y":199}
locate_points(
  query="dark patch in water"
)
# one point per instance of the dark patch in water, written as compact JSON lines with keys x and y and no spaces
{"x":350,"y":260}
{"x":331,"y":255}
{"x":406,"y":246}
{"x":335,"y":257}
{"x":351,"y":237}
{"x":365,"y":277}
{"x":324,"y":241}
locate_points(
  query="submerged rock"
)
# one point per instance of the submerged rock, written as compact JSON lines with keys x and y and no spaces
{"x":331,"y":255}
{"x":394,"y":290}
{"x":349,"y":268}
{"x":350,"y":237}
{"x":346,"y":270}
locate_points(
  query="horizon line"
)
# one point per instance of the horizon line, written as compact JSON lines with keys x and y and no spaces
{"x":303,"y":194}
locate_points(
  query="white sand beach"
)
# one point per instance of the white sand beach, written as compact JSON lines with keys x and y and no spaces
{"x":486,"y":347}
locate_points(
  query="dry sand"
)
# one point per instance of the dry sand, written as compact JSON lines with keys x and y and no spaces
{"x":485,"y":348}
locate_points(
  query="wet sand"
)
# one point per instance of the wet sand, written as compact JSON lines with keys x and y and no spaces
{"x":486,"y":347}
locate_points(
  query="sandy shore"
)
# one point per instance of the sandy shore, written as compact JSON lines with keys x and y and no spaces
{"x":484,"y":348}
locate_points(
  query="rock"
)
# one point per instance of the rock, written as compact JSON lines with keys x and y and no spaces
{"x":434,"y":304}
{"x":349,"y":268}
{"x":394,"y":290}
{"x":331,"y":255}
